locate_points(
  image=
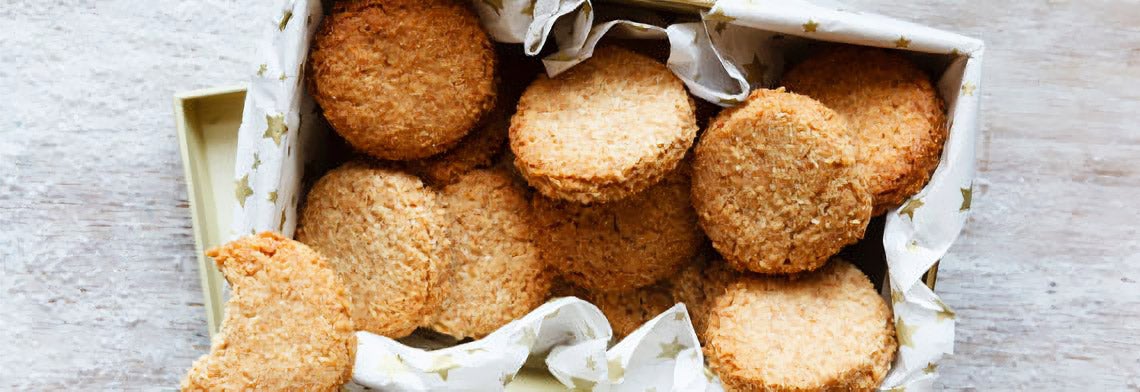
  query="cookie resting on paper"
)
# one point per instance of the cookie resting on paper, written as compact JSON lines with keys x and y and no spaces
{"x":894,"y":114}
{"x":827,"y":330}
{"x":287,"y":325}
{"x":497,"y":274}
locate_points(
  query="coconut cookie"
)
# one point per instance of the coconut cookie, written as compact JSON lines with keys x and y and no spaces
{"x":698,"y":284}
{"x":476,"y":150}
{"x":894,"y":115}
{"x":829,"y":330}
{"x":606,"y":129}
{"x":776,"y":184}
{"x":287,"y":325}
{"x":402,"y":79}
{"x":627,"y":311}
{"x":384,"y":233}
{"x":623,"y":245}
{"x":695,"y":285}
{"x":498,"y":275}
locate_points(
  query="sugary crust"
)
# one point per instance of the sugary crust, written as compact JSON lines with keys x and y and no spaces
{"x":287,"y":325}
{"x":606,"y":129}
{"x":826,"y":331}
{"x":384,"y":233}
{"x":776,"y":184}
{"x":476,"y":150}
{"x":621,"y":245}
{"x":497,"y":275}
{"x":895,"y":116}
{"x":402,"y":79}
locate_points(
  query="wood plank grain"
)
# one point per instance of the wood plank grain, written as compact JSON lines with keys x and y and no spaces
{"x":1044,"y":277}
{"x":99,"y":282}
{"x":99,"y":286}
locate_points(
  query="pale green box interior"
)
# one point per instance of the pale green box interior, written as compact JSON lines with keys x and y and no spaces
{"x":207,"y":122}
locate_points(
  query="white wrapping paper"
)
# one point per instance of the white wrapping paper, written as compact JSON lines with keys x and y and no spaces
{"x":736,"y":46}
{"x":571,"y":333}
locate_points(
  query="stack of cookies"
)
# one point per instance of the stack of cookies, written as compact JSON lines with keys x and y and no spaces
{"x":610,"y":191}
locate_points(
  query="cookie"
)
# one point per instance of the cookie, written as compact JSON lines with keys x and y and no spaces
{"x":627,"y":311}
{"x":829,"y":330}
{"x":606,"y":129}
{"x":894,"y":115}
{"x":287,"y":325}
{"x":776,"y":184}
{"x":476,"y":150}
{"x":385,"y":235}
{"x":697,"y":284}
{"x":623,"y":245}
{"x":402,"y":79}
{"x":497,"y":274}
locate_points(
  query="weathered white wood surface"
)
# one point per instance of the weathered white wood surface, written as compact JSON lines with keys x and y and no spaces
{"x":98,"y":280}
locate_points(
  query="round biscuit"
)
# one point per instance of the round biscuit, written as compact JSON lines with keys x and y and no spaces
{"x":895,"y":116}
{"x":828,"y":330}
{"x":621,"y":245}
{"x":604,"y":130}
{"x":476,"y":150}
{"x":497,"y":275}
{"x":697,"y":284}
{"x":694,"y":285}
{"x":627,"y":311}
{"x":385,"y":235}
{"x":405,"y":79}
{"x":776,"y":184}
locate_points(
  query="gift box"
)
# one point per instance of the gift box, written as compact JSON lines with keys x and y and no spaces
{"x":250,"y":178}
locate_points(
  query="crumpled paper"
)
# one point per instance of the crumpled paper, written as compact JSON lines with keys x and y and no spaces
{"x":734,"y":47}
{"x":572,"y":334}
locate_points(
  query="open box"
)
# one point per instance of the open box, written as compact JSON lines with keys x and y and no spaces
{"x":208,"y":121}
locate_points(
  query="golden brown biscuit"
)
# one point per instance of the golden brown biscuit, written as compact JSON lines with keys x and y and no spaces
{"x":476,"y":150}
{"x":829,"y":330}
{"x":695,"y":285}
{"x":622,"y":245}
{"x":497,"y":275}
{"x":626,"y":311}
{"x":385,"y":235}
{"x":776,"y":184}
{"x":698,"y":284}
{"x":287,"y":325}
{"x":896,"y":118}
{"x":402,"y":79}
{"x":606,"y":129}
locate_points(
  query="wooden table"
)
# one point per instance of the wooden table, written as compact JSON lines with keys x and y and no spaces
{"x":98,"y":281}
